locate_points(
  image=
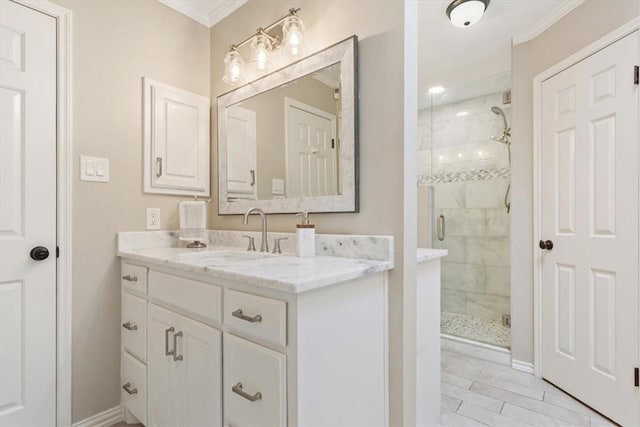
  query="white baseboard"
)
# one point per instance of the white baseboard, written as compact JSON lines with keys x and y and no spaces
{"x":523,"y":366}
{"x":103,"y":419}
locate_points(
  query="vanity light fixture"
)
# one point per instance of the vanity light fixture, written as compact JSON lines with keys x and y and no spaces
{"x":465,"y":13}
{"x":287,"y":32}
{"x":435,"y":90}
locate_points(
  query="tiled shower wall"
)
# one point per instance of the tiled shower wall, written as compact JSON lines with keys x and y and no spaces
{"x":469,"y":175}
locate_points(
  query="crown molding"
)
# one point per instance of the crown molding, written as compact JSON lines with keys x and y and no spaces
{"x":214,"y":12}
{"x":223,"y":9}
{"x":547,"y":21}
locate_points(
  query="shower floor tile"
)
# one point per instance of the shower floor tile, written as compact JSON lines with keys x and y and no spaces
{"x":476,"y":329}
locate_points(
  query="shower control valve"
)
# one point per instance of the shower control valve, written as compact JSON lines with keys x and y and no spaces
{"x":546,"y":244}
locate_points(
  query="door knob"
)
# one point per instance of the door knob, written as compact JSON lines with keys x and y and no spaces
{"x":39,"y":253}
{"x":546,"y":244}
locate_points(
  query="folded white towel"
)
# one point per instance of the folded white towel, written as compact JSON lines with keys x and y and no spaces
{"x":193,"y":220}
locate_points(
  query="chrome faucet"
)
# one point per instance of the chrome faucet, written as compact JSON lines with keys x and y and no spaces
{"x":264,"y":244}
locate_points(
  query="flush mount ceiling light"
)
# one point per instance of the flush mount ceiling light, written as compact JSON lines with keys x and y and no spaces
{"x":465,"y":13}
{"x":287,"y":33}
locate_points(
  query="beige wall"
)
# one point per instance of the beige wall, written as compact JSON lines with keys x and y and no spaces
{"x":270,"y":131}
{"x":584,"y":25}
{"x":115,"y":43}
{"x":387,"y":197}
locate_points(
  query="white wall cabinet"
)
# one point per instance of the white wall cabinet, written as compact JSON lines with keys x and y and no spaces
{"x":176,"y":140}
{"x":289,"y":359}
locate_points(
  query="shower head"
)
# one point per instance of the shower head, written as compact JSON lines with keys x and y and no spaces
{"x":498,"y":111}
{"x":505,"y":138}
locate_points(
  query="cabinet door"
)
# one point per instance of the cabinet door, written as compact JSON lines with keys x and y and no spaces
{"x":162,"y":370}
{"x":176,"y":138}
{"x":200,"y":372}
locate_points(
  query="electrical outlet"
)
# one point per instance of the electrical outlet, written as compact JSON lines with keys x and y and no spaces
{"x":153,"y":218}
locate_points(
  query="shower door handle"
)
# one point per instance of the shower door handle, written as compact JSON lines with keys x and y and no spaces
{"x":440,"y":227}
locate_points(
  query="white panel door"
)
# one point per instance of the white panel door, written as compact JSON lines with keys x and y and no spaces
{"x":241,"y":153}
{"x":312,"y":154}
{"x":590,"y":213}
{"x":27,"y":216}
{"x":200,"y":372}
{"x":162,"y":369}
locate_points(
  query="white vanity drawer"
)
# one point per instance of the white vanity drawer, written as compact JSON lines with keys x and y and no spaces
{"x":199,"y":298}
{"x":250,"y":369}
{"x":134,"y":325}
{"x":255,"y":316}
{"x":134,"y":278}
{"x":134,"y":387}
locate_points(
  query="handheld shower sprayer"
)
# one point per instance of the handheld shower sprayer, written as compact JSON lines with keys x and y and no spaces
{"x":505,"y":138}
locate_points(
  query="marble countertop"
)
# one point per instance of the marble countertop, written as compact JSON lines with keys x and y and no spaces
{"x":427,"y":254}
{"x":285,"y":272}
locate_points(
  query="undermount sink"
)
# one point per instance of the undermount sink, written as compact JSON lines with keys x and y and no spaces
{"x":223,"y":258}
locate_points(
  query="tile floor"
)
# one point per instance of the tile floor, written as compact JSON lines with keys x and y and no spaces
{"x":476,"y":329}
{"x":480,"y":393}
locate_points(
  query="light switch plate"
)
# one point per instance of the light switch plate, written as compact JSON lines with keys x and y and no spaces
{"x":94,"y":169}
{"x":153,"y":218}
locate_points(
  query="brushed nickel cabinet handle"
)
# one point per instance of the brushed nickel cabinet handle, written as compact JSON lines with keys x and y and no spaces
{"x":176,"y":357}
{"x":130,"y":278}
{"x":253,"y":177}
{"x":237,"y":389}
{"x":441,"y":229}
{"x":158,"y":167}
{"x":130,"y":327}
{"x":168,"y":352}
{"x":128,"y":389}
{"x":240,"y":315}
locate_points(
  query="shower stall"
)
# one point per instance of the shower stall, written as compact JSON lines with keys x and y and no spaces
{"x":464,"y":166}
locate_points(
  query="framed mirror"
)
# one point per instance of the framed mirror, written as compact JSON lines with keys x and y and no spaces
{"x":288,"y":142}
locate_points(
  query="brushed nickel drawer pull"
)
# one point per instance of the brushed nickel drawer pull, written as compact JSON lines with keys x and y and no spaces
{"x":128,"y":326}
{"x":168,"y":352}
{"x":130,"y":278}
{"x":128,"y":389}
{"x":176,"y":357}
{"x":237,"y":389}
{"x":238,"y":313}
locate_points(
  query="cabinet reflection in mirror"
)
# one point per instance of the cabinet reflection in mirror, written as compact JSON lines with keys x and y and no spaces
{"x":288,"y":142}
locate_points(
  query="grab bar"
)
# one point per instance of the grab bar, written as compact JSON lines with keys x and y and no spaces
{"x":441,"y":227}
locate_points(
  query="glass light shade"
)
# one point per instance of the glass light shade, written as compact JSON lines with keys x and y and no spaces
{"x":261,"y":50}
{"x":233,"y":68}
{"x":466,"y":13}
{"x":293,"y":31}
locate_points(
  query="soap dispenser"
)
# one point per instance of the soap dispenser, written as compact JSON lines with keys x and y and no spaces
{"x":305,"y":237}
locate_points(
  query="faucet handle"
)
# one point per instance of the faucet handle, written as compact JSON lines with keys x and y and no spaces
{"x":276,"y":245}
{"x":252,"y":243}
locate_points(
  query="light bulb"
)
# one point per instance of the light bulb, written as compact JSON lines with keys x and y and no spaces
{"x":261,"y":47}
{"x":233,"y":67}
{"x":293,"y":30}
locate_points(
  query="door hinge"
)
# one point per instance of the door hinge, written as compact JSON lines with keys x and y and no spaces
{"x":333,"y":143}
{"x":636,"y":75}
{"x":57,"y":252}
{"x":636,"y":377}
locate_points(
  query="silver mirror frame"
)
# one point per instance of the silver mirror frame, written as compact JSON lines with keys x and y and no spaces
{"x":345,"y":53}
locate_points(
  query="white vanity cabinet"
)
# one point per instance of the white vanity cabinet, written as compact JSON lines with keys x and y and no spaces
{"x":222,"y":352}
